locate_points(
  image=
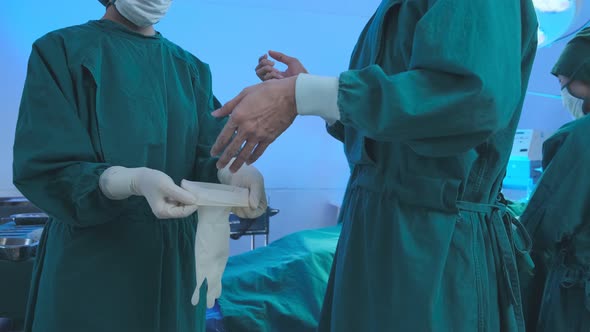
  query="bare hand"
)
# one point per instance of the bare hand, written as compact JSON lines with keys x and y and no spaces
{"x":259,"y":114}
{"x":266,"y":70}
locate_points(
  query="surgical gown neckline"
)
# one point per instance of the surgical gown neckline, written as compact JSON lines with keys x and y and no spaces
{"x":123,"y":31}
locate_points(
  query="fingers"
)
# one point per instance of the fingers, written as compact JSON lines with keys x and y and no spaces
{"x":257,"y":203}
{"x":237,"y":164}
{"x":280,"y":57}
{"x":257,"y":197}
{"x":242,"y":156}
{"x":258,"y":151}
{"x":264,"y":71}
{"x":228,"y":108}
{"x":181,"y":211}
{"x":254,"y":197}
{"x":272,"y":75}
{"x":257,"y":119}
{"x":231,"y":150}
{"x":264,"y":66}
{"x":230,"y":128}
{"x":197,"y":293}
{"x":195,"y":298}
{"x":175,"y":194}
{"x":265,"y":63}
{"x":175,"y":202}
{"x":216,"y":290}
{"x":184,"y":184}
{"x":224,"y":139}
{"x":210,"y":301}
{"x":248,"y":213}
{"x":172,"y":210}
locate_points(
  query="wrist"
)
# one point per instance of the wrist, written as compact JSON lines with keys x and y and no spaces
{"x":116,"y":182}
{"x":317,"y":95}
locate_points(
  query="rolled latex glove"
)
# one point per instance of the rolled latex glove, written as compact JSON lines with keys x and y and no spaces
{"x":166,"y":199}
{"x":246,"y":177}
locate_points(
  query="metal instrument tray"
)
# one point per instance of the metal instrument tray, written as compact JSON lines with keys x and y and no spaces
{"x":30,"y":218}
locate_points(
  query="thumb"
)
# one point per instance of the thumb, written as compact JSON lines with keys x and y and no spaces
{"x":177,"y":194}
{"x":228,"y":108}
{"x":255,"y":196}
{"x":280,"y":57}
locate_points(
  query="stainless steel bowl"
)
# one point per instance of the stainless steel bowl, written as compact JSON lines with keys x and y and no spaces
{"x":17,"y":249}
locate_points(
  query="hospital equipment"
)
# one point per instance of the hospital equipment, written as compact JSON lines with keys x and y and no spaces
{"x":24,"y":219}
{"x":16,"y":249}
{"x":524,"y":164}
{"x":15,"y":243}
{"x":252,"y":227}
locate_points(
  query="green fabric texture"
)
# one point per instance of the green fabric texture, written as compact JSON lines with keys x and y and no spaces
{"x":558,"y":219}
{"x":98,"y":95}
{"x":517,"y":208}
{"x":428,"y":116}
{"x":279,"y":287}
{"x":574,"y":61}
{"x":16,"y":279}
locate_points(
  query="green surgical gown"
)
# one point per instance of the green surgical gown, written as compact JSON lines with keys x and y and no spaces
{"x":429,"y":109}
{"x":98,"y":95}
{"x":558,"y":219}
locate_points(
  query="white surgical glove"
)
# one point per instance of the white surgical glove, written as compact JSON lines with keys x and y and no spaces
{"x":211,"y":251}
{"x":166,"y":199}
{"x":246,"y":177}
{"x":212,"y":238}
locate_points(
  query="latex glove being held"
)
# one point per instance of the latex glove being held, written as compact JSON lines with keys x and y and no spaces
{"x":246,"y":177}
{"x":213,"y":231}
{"x":211,"y":251}
{"x":166,"y":199}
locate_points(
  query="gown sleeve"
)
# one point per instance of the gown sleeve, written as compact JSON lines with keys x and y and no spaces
{"x":464,"y":82}
{"x":336,"y":130}
{"x":55,"y":165}
{"x":209,"y":129}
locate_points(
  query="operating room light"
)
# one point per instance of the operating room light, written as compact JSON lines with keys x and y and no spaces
{"x":556,"y":18}
{"x":552,"y":6}
{"x":540,"y":37}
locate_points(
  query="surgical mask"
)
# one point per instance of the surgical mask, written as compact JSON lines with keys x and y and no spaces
{"x":573,"y":104}
{"x":143,"y":13}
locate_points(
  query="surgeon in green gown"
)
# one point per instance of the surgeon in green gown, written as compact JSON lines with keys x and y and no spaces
{"x":558,"y":213}
{"x":113,"y":116}
{"x":427,"y":114}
